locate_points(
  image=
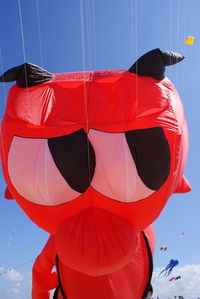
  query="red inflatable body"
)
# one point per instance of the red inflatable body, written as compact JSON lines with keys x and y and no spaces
{"x":131,"y":281}
{"x":92,"y":158}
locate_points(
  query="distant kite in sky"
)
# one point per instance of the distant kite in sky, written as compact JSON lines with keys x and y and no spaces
{"x":189,"y":40}
{"x":175,"y":278}
{"x":163,"y":247}
{"x":10,"y":239}
{"x":168,"y":269}
{"x":92,"y":158}
{"x":181,"y":235}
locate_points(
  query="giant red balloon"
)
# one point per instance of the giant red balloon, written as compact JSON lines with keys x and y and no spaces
{"x":92,"y":158}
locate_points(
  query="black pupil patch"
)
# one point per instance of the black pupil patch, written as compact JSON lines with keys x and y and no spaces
{"x":74,"y":157}
{"x":151,"y":153}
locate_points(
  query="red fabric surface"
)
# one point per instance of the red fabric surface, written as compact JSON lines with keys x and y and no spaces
{"x":127,"y":283}
{"x":112,"y":101}
{"x":108,"y":101}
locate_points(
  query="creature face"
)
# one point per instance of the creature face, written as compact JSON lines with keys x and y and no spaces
{"x":111,"y":141}
{"x":90,"y":139}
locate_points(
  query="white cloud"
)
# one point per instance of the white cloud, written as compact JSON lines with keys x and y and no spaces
{"x":188,"y":286}
{"x":13,"y":275}
{"x":14,"y":285}
{"x":52,"y":293}
{"x":14,"y":291}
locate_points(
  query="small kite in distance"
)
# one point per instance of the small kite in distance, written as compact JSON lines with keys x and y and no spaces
{"x":181,"y":235}
{"x":189,"y":40}
{"x":175,"y":278}
{"x":163,"y":247}
{"x":168,"y":269}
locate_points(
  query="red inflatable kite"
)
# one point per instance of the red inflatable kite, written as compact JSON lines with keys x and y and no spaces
{"x":92,"y":158}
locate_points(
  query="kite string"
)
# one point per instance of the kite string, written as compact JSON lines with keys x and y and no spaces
{"x":10,"y":239}
{"x":184,"y":47}
{"x":22,"y":31}
{"x":93,"y":34}
{"x":178,"y":75}
{"x":1,"y":63}
{"x":41,"y":59}
{"x":88,"y":42}
{"x":173,"y":149}
{"x":177,"y":36}
{"x":46,"y":146}
{"x":24,"y":55}
{"x":84,"y":77}
{"x":171,"y":33}
{"x":158,"y":25}
{"x":39,"y":31}
{"x":4,"y":90}
{"x":91,"y":68}
{"x":134,"y":37}
{"x":174,"y":135}
{"x":16,"y":266}
{"x":136,"y":52}
{"x":3,"y":155}
{"x":88,"y":35}
{"x":133,"y":48}
{"x":46,"y":172}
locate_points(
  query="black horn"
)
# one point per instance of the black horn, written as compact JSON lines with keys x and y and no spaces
{"x":152,"y":64}
{"x":26,"y":75}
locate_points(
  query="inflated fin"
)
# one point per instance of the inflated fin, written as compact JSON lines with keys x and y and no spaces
{"x":152,"y":64}
{"x":7,"y":194}
{"x":26,"y":75}
{"x":183,"y":186}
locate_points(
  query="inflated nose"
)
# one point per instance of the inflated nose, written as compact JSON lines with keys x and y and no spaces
{"x":96,"y":242}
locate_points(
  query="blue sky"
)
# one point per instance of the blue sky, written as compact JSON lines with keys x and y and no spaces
{"x":66,"y":36}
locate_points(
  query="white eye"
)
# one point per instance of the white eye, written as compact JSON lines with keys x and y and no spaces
{"x":115,"y":173}
{"x":126,"y":166}
{"x":34,"y":174}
